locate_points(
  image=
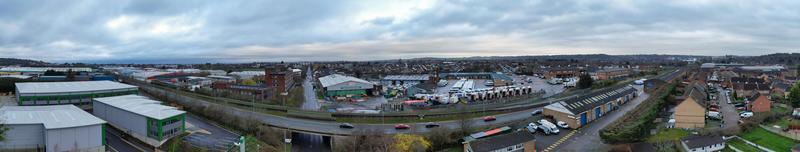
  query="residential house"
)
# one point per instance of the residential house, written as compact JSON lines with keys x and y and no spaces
{"x":520,"y":141}
{"x":702,"y":143}
{"x":759,"y":103}
{"x":690,"y":114}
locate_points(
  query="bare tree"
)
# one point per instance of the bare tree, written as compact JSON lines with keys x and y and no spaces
{"x":364,"y":141}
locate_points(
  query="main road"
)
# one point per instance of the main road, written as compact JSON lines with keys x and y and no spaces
{"x":332,"y":128}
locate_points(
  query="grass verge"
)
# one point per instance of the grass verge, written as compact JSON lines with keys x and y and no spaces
{"x":768,"y":139}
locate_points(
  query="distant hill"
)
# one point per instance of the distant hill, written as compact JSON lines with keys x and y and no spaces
{"x":21,"y":62}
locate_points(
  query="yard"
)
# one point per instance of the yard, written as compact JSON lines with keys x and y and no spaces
{"x":768,"y":139}
{"x":741,"y":145}
{"x":668,"y":135}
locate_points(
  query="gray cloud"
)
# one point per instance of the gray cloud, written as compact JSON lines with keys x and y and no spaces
{"x":243,"y":31}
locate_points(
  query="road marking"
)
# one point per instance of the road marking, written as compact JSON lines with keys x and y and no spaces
{"x":560,"y":141}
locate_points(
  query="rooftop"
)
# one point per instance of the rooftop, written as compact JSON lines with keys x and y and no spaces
{"x":501,"y":141}
{"x":73,"y":86}
{"x":52,"y":117}
{"x":578,"y":105}
{"x":141,"y":105}
{"x":701,"y":141}
{"x":43,"y":69}
{"x":334,"y":79}
{"x":421,"y":77}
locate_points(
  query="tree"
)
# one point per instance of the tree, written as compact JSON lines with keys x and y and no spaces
{"x":70,"y":75}
{"x":585,"y":81}
{"x":794,"y":95}
{"x":410,"y":142}
{"x":3,"y":130}
{"x":440,"y":138}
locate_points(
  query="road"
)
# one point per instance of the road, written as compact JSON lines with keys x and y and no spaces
{"x":311,"y":102}
{"x":729,"y":114}
{"x":587,"y":138}
{"x":114,"y":140}
{"x":208,"y":135}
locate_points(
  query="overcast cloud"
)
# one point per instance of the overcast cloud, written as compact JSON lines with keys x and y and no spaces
{"x":245,"y":31}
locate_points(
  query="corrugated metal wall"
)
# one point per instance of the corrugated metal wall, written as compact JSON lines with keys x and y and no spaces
{"x":121,"y":118}
{"x":23,"y":137}
{"x":76,"y":138}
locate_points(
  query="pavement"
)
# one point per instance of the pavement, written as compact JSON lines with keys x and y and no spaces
{"x":115,"y":140}
{"x":587,"y":138}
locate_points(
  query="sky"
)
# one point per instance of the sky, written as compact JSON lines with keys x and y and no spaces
{"x":187,"y":31}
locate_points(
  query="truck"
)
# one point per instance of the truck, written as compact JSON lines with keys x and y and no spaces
{"x":547,"y":124}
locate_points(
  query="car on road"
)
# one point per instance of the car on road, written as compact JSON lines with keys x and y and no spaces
{"x":536,"y":112}
{"x":562,"y":124}
{"x":489,"y":118}
{"x":431,"y":125}
{"x":746,"y":114}
{"x":401,"y":126}
{"x":346,"y":126}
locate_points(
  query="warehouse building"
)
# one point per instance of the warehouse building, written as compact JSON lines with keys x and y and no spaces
{"x":336,"y":85}
{"x":52,"y":128}
{"x":580,"y":111}
{"x":75,"y":92}
{"x":392,"y":80}
{"x":142,"y":118}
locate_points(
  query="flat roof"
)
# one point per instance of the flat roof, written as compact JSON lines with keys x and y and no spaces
{"x":72,"y":86}
{"x":52,"y":117}
{"x":142,"y":106}
{"x":420,"y":77}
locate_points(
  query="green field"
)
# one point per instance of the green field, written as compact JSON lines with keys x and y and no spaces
{"x":741,"y":145}
{"x":770,"y":140}
{"x":664,"y":135}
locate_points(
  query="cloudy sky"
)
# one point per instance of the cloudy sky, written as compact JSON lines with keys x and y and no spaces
{"x":122,"y":31}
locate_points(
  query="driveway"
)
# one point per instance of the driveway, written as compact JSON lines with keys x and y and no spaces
{"x":587,"y":138}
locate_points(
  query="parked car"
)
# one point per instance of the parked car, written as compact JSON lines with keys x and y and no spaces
{"x":401,"y":126}
{"x":489,"y":118}
{"x":746,"y":114}
{"x":714,"y":115}
{"x":346,"y":126}
{"x":534,"y":125}
{"x":431,"y":125}
{"x":562,"y":124}
{"x":536,"y":112}
{"x":713,"y":109}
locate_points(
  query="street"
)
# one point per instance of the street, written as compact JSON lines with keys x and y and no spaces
{"x":728,"y":111}
{"x":311,"y":102}
{"x":587,"y":138}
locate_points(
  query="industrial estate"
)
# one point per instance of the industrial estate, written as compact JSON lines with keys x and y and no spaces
{"x":623,"y":103}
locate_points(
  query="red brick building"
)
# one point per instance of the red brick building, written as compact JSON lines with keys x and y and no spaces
{"x":759,"y":103}
{"x":280,"y":78}
{"x":613,"y":73}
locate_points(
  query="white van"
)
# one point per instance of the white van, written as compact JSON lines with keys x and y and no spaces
{"x":714,"y":115}
{"x":549,"y":125}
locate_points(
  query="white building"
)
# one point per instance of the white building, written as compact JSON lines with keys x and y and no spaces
{"x":702,"y":143}
{"x":340,"y":85}
{"x":248,"y":74}
{"x":53,"y":128}
{"x":74,"y":92}
{"x":144,"y":119}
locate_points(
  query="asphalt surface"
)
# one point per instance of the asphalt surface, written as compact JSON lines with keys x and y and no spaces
{"x":311,"y":102}
{"x":207,"y":135}
{"x":587,"y":138}
{"x":114,"y":138}
{"x":729,"y":114}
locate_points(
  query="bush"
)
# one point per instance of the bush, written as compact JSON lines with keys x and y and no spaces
{"x":636,"y":125}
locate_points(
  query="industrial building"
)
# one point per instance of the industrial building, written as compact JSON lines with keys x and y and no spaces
{"x":142,"y":118}
{"x":391,"y":80}
{"x":580,"y":111}
{"x":38,"y":71}
{"x":498,"y":79}
{"x":52,"y":128}
{"x":75,"y":92}
{"x":336,"y":85}
{"x":280,"y":78}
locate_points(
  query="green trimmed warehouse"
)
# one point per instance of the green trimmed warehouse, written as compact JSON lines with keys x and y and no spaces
{"x":142,"y":118}
{"x":74,"y":92}
{"x":336,"y":85}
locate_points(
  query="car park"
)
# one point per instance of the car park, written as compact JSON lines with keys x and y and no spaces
{"x":562,"y":124}
{"x":346,"y":126}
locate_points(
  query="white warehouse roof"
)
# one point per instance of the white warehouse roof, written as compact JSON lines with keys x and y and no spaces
{"x":74,"y":86}
{"x":421,"y":77}
{"x":334,"y":79}
{"x":142,"y":106}
{"x":52,"y":117}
